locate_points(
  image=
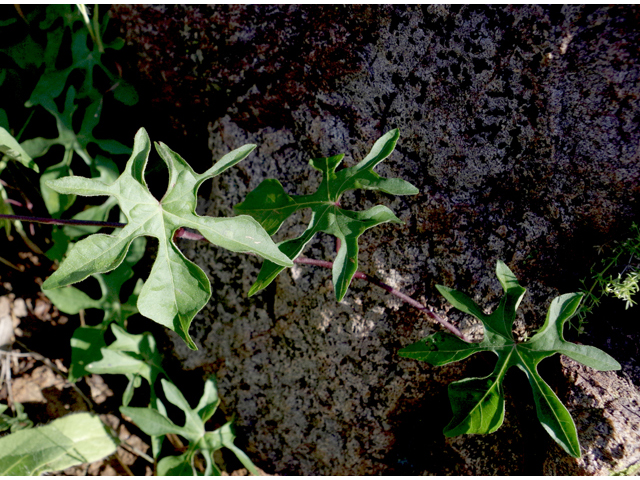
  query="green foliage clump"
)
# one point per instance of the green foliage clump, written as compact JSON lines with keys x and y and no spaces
{"x":155,"y":422}
{"x":617,"y":274}
{"x":478,"y":403}
{"x":176,"y":289}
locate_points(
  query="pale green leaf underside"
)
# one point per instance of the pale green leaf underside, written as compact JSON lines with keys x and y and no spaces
{"x":478,"y":403}
{"x":10,"y":147}
{"x":65,"y":442}
{"x":176,"y":288}
{"x":270,"y":205}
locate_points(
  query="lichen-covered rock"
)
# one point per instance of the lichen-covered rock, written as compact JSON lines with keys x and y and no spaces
{"x":519,"y":126}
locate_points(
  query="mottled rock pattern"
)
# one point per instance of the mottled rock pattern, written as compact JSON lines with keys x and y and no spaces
{"x":606,"y":409}
{"x":519,"y":125}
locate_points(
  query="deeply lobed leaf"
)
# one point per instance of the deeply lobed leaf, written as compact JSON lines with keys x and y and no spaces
{"x":478,"y":403}
{"x":176,"y":288}
{"x":270,"y":205}
{"x":156,"y":423}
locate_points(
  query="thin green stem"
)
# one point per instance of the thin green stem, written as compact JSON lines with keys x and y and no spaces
{"x":24,"y":126}
{"x":96,"y":28}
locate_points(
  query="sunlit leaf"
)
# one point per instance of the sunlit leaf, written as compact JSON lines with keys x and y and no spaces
{"x":176,"y":288}
{"x":271,"y":206}
{"x":156,"y":423}
{"x":136,"y":356}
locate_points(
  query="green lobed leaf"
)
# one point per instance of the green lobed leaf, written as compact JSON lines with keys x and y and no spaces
{"x":65,"y":442}
{"x":132,"y":355}
{"x":155,"y":423}
{"x":176,"y":288}
{"x":478,"y":403}
{"x":270,"y":205}
{"x":74,"y":143}
{"x":84,"y":60}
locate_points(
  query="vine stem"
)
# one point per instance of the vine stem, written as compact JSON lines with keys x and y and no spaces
{"x":58,"y":221}
{"x":183,"y":233}
{"x":405,"y":298}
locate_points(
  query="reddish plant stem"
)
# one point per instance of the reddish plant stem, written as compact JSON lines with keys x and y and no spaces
{"x":182,"y":233}
{"x":57,"y":221}
{"x":392,"y":291}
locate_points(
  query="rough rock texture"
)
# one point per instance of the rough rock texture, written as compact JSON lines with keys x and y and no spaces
{"x":606,"y":409}
{"x":519,"y":126}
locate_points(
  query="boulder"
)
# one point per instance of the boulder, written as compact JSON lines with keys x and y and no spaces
{"x":519,"y":127}
{"x":606,"y":409}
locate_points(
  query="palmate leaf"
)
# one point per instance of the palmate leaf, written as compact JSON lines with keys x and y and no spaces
{"x":74,"y":143}
{"x":135,"y":356}
{"x":156,"y":423}
{"x":478,"y":403}
{"x":176,"y":288}
{"x":271,"y":206}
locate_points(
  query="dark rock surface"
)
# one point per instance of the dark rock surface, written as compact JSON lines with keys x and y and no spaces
{"x":519,"y":126}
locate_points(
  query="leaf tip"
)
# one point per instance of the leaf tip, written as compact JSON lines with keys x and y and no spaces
{"x":255,"y":288}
